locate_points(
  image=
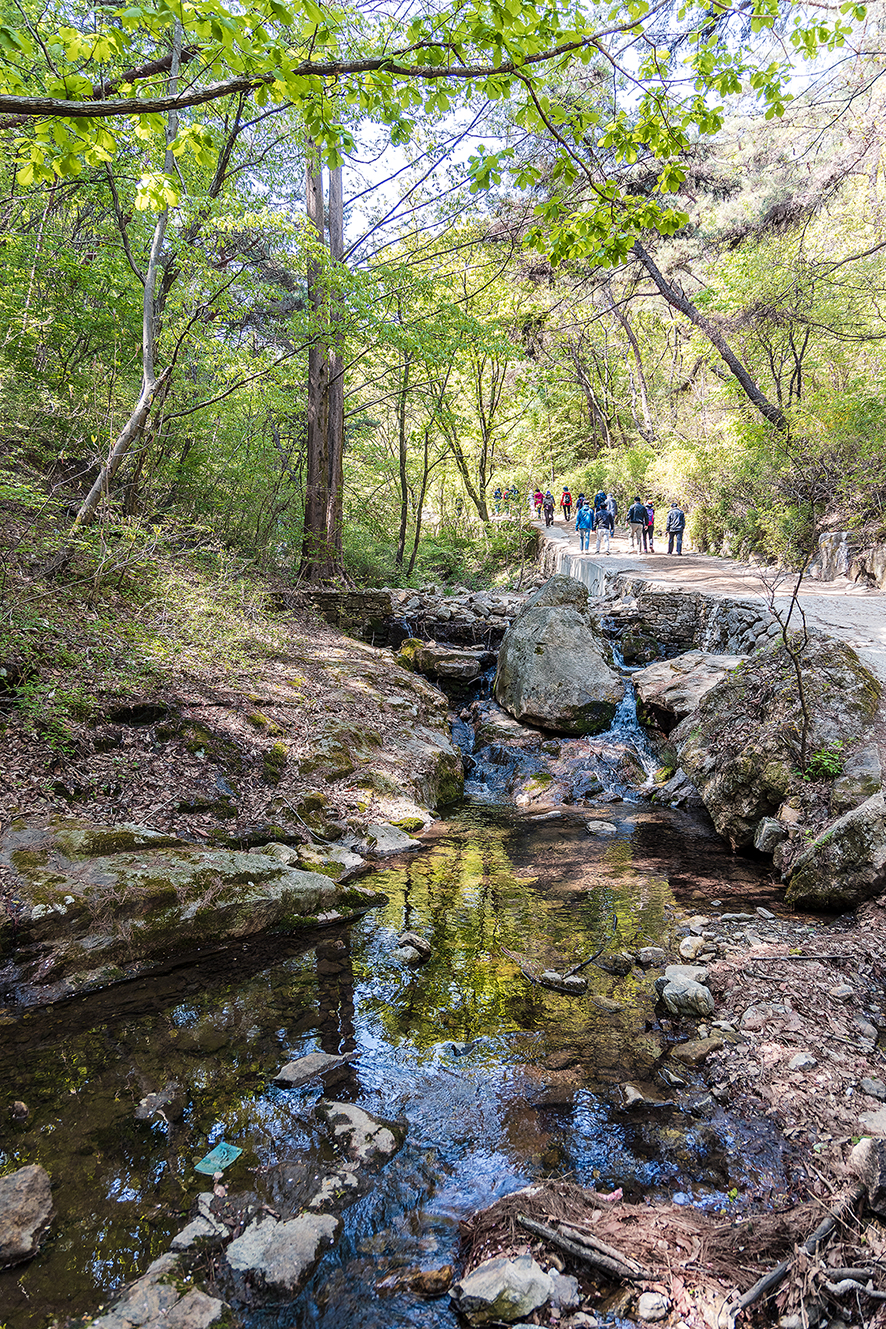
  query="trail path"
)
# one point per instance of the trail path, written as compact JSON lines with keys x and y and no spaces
{"x":843,"y":609}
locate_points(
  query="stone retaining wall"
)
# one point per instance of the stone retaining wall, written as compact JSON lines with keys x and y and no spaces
{"x":680,"y":620}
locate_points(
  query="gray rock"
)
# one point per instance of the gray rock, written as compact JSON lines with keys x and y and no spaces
{"x":770,"y":833}
{"x":502,"y":1290}
{"x":25,"y":1213}
{"x":767,"y":914}
{"x":364,"y":1138}
{"x":736,"y":918}
{"x":862,"y":776}
{"x":565,"y":1293}
{"x":875,"y":1088}
{"x":675,"y":687}
{"x":162,"y":1296}
{"x":692,"y":947}
{"x":445,"y":662}
{"x":652,"y":1306}
{"x":651,"y":957}
{"x":283,"y":1255}
{"x":744,"y":767}
{"x":553,"y":668}
{"x":868,"y":1162}
{"x":696,"y":972}
{"x":677,"y":792}
{"x":683,"y":996}
{"x":168,"y":898}
{"x":802,"y":1061}
{"x":569,"y":983}
{"x":603,"y":828}
{"x":410,"y":955}
{"x":167,"y":1102}
{"x":866,"y":1029}
{"x":417,"y":943}
{"x":844,"y":865}
{"x":204,"y":1226}
{"x":303,"y":1069}
{"x":385,"y":840}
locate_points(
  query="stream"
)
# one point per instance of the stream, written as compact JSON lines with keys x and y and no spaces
{"x":499,"y":1081}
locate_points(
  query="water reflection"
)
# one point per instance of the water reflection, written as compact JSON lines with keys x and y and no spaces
{"x":500,"y":1081}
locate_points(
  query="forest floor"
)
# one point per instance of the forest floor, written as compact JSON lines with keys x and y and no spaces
{"x":856,"y":614}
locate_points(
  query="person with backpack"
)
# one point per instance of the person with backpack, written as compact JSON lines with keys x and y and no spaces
{"x":650,"y":524}
{"x":538,"y":500}
{"x":580,"y":502}
{"x":584,"y":524}
{"x":612,"y":508}
{"x":638,"y":520}
{"x":548,"y":505}
{"x":566,"y":502}
{"x":599,"y":499}
{"x":604,"y":525}
{"x":674,"y":527}
{"x":497,"y":497}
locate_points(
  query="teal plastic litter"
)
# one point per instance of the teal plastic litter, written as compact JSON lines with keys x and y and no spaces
{"x":218,"y":1158}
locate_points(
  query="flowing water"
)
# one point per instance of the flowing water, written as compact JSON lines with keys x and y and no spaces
{"x":500,"y":1081}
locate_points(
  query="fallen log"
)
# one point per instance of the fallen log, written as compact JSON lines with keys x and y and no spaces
{"x":607,"y":1259}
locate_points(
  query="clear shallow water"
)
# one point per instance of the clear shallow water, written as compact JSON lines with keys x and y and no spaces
{"x":534,"y":1094}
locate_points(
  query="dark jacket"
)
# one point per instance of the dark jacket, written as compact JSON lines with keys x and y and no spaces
{"x":603,"y":520}
{"x":637,"y":512}
{"x":676,"y":521}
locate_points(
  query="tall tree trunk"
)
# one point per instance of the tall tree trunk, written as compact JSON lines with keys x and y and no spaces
{"x":334,"y":503}
{"x":401,"y":441}
{"x":150,"y":383}
{"x":681,"y":302}
{"x":324,"y":463}
{"x":315,"y":553}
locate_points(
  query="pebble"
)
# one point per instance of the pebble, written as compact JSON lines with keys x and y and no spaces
{"x":766,"y":913}
{"x":652,"y":1306}
{"x":736,"y":918}
{"x":866,"y":1029}
{"x":803,"y":1061}
{"x":691,"y":947}
{"x":876,"y":1088}
{"x":842,"y":992}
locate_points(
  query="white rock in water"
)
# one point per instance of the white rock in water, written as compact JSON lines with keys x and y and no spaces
{"x":601,"y":828}
{"x":298,"y":1072}
{"x":502,"y":1290}
{"x":683,"y":996}
{"x":385,"y":840}
{"x":283,"y":1254}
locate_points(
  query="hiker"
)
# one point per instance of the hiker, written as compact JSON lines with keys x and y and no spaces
{"x":675,"y":526}
{"x":566,"y":502}
{"x":538,"y":500}
{"x":612,"y":508}
{"x":650,"y":524}
{"x":604,"y":525}
{"x":584,"y":524}
{"x":497,"y":497}
{"x":599,"y":500}
{"x":638,"y":520}
{"x":548,"y":504}
{"x":580,"y":502}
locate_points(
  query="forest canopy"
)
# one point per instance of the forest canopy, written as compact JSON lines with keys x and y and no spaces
{"x":320,"y":281}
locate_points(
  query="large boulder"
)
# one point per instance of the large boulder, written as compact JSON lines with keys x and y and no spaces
{"x":741,"y":747}
{"x":671,"y":689}
{"x":100,"y":904}
{"x":846,"y":863}
{"x":553,"y":669}
{"x":25,"y":1213}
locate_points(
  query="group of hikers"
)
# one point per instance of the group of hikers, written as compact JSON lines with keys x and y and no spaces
{"x":598,"y":515}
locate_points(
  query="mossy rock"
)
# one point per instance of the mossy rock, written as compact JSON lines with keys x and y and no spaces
{"x":274,"y":763}
{"x":409,"y":824}
{"x":379,"y":782}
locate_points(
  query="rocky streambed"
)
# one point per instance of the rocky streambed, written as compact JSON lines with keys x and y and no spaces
{"x":571,"y":976}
